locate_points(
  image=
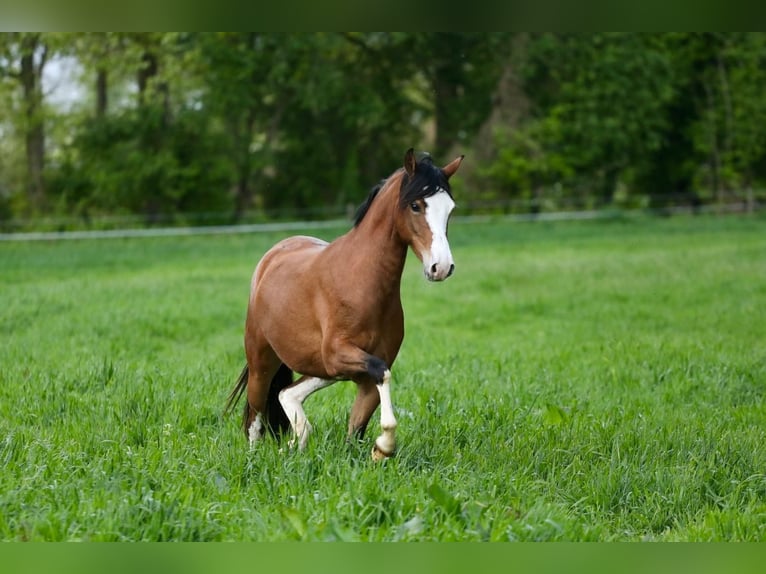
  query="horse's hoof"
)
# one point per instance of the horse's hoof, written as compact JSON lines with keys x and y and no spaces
{"x":378,"y":454}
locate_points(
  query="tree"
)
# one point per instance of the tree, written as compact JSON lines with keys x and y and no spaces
{"x":103,"y":55}
{"x":454,"y":73}
{"x":611,"y":95}
{"x":151,"y":153}
{"x":23,"y":56}
{"x":462,"y":71}
{"x":302,"y":122}
{"x":729,"y":135}
{"x":241,"y":71}
{"x":311,"y":118}
{"x":354,"y":105}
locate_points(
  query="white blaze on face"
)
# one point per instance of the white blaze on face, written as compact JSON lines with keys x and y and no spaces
{"x":438,"y":263}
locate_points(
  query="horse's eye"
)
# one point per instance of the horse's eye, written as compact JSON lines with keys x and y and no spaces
{"x":415,"y":206}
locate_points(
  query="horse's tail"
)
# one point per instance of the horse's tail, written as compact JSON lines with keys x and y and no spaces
{"x":236,"y":392}
{"x":276,"y":419}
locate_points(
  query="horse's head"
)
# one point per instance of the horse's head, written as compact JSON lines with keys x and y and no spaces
{"x":425,"y":205}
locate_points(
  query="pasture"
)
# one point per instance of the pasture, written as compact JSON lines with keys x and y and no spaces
{"x":599,"y":380}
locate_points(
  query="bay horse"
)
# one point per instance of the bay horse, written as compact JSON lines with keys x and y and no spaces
{"x":333,"y":311}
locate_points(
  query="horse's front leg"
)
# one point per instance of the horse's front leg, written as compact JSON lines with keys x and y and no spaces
{"x":385,"y":444}
{"x":366,"y":401}
{"x":347,"y":361}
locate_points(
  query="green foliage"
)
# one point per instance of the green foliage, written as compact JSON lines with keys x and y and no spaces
{"x":658,"y":114}
{"x":572,"y":381}
{"x":107,"y":169}
{"x":462,"y":71}
{"x":268,"y":124}
{"x":352,"y":97}
{"x":523,"y":168}
{"x":731,"y":110}
{"x":599,"y":103}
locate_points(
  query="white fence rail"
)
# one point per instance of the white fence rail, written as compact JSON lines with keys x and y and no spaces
{"x":340,"y":223}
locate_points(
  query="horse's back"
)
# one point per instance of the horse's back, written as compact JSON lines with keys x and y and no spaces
{"x":291,"y":255}
{"x":298,"y":242}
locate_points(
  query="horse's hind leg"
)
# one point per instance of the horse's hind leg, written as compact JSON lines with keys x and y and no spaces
{"x":263,"y":364}
{"x":291,"y":398}
{"x":257,"y":394}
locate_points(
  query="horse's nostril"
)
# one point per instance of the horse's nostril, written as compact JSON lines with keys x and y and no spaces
{"x":433,"y":269}
{"x":451,"y":269}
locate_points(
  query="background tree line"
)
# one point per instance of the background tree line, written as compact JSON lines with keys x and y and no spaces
{"x":251,"y":125}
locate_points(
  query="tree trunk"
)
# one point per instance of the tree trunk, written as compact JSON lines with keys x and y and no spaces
{"x":102,"y":83}
{"x":242,"y":133}
{"x":34,"y":133}
{"x":749,"y":196}
{"x":729,"y":136}
{"x":608,"y":185}
{"x":445,"y":94}
{"x":244,"y":195}
{"x":715,"y":156}
{"x":149,"y":68}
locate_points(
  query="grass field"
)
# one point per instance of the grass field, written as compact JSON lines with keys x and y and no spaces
{"x":573,"y":381}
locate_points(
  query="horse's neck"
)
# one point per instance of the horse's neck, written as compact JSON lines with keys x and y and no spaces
{"x":375,"y":248}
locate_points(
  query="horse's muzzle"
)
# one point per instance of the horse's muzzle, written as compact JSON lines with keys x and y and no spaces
{"x":439,"y":272}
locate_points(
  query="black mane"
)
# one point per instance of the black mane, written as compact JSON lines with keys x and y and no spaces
{"x":425,"y":182}
{"x":362,"y":210}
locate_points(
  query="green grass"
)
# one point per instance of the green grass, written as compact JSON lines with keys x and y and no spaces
{"x":572,"y":381}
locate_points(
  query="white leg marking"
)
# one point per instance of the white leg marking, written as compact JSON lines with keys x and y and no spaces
{"x":255,"y":432}
{"x":291,"y":399}
{"x":438,"y":208}
{"x":385,"y":444}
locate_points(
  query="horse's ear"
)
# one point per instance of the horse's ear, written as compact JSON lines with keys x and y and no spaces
{"x":409,"y":161}
{"x":452,"y":166}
